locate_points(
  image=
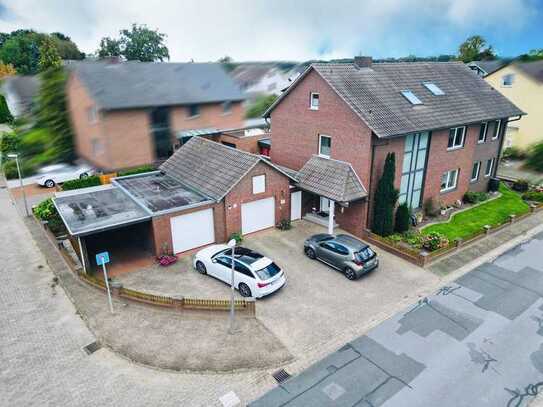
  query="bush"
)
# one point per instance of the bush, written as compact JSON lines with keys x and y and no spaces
{"x":10,"y":169}
{"x":403,"y":218}
{"x":414,"y":239}
{"x":137,"y":170}
{"x":236,"y":236}
{"x":46,"y":211}
{"x":34,"y":142}
{"x":259,"y":106}
{"x":81,"y":183}
{"x":9,"y":143}
{"x":284,"y":224}
{"x":514,"y":153}
{"x":533,"y":196}
{"x":521,"y":185}
{"x":430,"y":208}
{"x":434,"y":241}
{"x":535,"y":158}
{"x":475,"y":197}
{"x":5,"y":115}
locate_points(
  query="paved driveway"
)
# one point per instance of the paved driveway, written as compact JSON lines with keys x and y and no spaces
{"x":477,"y":342}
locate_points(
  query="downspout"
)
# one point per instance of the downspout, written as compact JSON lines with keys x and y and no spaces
{"x":370,"y":189}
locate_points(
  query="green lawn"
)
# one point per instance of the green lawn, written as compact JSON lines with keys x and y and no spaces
{"x":496,"y":212}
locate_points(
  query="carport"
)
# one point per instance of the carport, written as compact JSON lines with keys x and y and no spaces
{"x":105,"y":219}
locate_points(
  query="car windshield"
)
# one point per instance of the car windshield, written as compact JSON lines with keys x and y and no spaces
{"x":268,"y":272}
{"x":365,"y":254}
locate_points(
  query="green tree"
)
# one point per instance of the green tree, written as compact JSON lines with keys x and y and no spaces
{"x":49,"y":56}
{"x":533,"y":55}
{"x":227,"y":62}
{"x":109,"y":47}
{"x":475,"y":49}
{"x":535,"y":157}
{"x":403,"y":218}
{"x":259,"y":106}
{"x":67,"y":49}
{"x":52,"y":112}
{"x":385,"y":199}
{"x":22,"y":51}
{"x":5,"y":114}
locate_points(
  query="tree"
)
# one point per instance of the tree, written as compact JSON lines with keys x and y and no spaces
{"x":533,"y":55}
{"x":67,"y":49}
{"x":227,"y":62}
{"x":49,"y":56}
{"x":403,"y":218}
{"x":535,"y":158}
{"x":22,"y":51}
{"x":259,"y":106}
{"x":139,"y":43}
{"x":5,"y":114}
{"x":475,"y":49}
{"x":385,"y":199}
{"x":6,"y":70}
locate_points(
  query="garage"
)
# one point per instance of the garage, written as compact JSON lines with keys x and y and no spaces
{"x":192,"y":230}
{"x":257,"y":215}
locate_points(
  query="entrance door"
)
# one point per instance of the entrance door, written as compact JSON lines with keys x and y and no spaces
{"x":296,"y":205}
{"x":324,"y":204}
{"x":257,"y":215}
{"x":192,"y":230}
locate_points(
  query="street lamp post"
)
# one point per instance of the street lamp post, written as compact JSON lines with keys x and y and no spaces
{"x":16,"y":157}
{"x":232,"y":245}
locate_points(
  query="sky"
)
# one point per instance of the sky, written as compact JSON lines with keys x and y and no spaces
{"x":290,"y":30}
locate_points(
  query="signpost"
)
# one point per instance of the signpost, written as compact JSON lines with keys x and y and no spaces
{"x":101,"y":260}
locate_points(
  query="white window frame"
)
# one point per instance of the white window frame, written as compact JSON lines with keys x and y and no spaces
{"x":448,"y":188}
{"x":259,"y":184}
{"x":488,"y":171}
{"x":478,"y":164}
{"x":311,"y":98}
{"x":479,"y":141}
{"x":497,"y":129}
{"x":509,"y":75}
{"x":463,"y":140}
{"x":321,"y":136}
{"x":227,"y":107}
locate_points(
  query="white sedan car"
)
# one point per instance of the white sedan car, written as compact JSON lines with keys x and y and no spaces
{"x":51,"y":175}
{"x":254,"y":274}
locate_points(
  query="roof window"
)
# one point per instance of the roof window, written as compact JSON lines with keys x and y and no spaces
{"x":432,"y":87}
{"x":411,"y":97}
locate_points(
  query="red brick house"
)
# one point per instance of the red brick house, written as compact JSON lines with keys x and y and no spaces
{"x":125,"y":114}
{"x":443,"y":122}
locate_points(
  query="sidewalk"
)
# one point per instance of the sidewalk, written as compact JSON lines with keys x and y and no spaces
{"x":478,"y":249}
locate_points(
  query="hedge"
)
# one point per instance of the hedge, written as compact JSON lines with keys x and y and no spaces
{"x":81,"y":183}
{"x":137,"y":170}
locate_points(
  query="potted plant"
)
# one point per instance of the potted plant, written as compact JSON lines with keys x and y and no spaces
{"x":166,"y":258}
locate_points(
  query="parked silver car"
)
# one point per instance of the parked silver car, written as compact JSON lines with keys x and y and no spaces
{"x":343,"y":252}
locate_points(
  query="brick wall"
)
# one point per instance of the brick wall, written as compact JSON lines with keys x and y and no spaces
{"x":211,"y":115}
{"x":245,"y":143}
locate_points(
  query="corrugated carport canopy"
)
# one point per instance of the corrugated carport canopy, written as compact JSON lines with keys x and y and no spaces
{"x":86,"y":212}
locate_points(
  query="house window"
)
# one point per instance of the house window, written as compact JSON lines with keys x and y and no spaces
{"x":413,"y":169}
{"x":482,"y":132}
{"x":432,"y":87}
{"x":507,"y":80}
{"x":226,"y":143}
{"x":475,"y":171}
{"x":497,"y":128}
{"x":413,"y":99}
{"x":92,"y":115}
{"x":259,"y":184}
{"x":314,"y":101}
{"x":456,"y":138}
{"x":194,"y":110}
{"x":226,"y":107}
{"x":449,"y":180}
{"x":489,"y":166}
{"x":97,"y":147}
{"x":325,"y":145}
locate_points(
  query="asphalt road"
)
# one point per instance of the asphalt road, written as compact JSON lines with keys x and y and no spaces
{"x":476,"y":342}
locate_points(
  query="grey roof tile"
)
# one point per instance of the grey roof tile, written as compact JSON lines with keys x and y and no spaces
{"x":534,"y":69}
{"x":332,"y":179}
{"x":132,"y":84}
{"x":490,"y":66}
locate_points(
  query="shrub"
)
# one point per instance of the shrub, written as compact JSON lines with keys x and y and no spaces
{"x":284,"y":224}
{"x":385,"y":199}
{"x":514,"y":153}
{"x":475,"y":197}
{"x":137,"y":170}
{"x":403,"y":218}
{"x":5,"y":115}
{"x":535,"y":158}
{"x":10,"y":169}
{"x":521,"y":185}
{"x":434,"y":241}
{"x":430,"y":208}
{"x":236,"y":236}
{"x":46,"y":211}
{"x":533,"y":196}
{"x":414,"y":239}
{"x":81,"y":183}
{"x":9,"y":143}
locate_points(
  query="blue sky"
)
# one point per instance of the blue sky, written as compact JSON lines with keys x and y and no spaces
{"x":205,"y":30}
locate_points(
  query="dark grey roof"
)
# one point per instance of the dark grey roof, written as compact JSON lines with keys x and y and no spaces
{"x":534,"y":69}
{"x":490,"y":66}
{"x":375,"y":95}
{"x":24,"y":87}
{"x":332,"y":179}
{"x":132,"y":84}
{"x":210,"y":168}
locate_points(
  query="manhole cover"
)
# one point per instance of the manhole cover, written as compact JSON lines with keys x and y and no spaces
{"x":91,"y":348}
{"x":281,"y":375}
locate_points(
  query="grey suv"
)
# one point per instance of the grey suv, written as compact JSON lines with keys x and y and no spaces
{"x":343,"y":252}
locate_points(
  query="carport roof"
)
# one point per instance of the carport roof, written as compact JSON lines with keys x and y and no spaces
{"x":90,"y":210}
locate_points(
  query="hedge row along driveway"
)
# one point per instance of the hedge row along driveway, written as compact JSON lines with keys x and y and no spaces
{"x":469,"y":223}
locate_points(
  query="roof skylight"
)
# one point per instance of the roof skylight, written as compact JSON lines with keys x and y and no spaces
{"x":411,"y":97}
{"x":432,"y":87}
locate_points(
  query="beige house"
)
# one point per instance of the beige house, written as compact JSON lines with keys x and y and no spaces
{"x":522,"y":83}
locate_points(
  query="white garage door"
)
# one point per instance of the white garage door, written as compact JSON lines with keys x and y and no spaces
{"x":257,"y":215}
{"x":192,"y":230}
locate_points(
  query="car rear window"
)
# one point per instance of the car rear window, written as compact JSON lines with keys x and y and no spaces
{"x":268,"y":272}
{"x":365,"y":254}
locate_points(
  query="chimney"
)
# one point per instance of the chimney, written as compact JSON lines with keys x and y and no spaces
{"x":362,"y":62}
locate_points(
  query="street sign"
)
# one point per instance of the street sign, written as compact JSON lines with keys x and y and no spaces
{"x":102,"y":258}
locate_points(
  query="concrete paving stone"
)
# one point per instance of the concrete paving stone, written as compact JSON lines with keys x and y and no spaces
{"x":384,"y":392}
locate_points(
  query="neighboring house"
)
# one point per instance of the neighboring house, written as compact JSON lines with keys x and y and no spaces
{"x":20,"y":93}
{"x":484,"y":68}
{"x":264,"y":79}
{"x":335,"y":125}
{"x":202,"y":194}
{"x":522,"y":83}
{"x":126,"y":114}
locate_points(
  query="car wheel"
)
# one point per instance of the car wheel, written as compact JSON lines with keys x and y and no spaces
{"x":200,"y":268}
{"x":349,"y":273}
{"x":244,"y":290}
{"x":83,"y":175}
{"x":49,"y":183}
{"x":309,"y":252}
